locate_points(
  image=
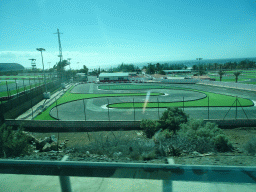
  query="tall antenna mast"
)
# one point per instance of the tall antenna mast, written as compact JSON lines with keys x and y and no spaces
{"x":60,"y":49}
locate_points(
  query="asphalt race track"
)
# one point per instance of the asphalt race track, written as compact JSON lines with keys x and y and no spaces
{"x":95,"y":109}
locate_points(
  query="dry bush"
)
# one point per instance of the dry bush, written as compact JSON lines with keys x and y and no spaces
{"x":250,"y":146}
{"x":204,"y":137}
{"x":109,"y":144}
{"x":13,"y":143}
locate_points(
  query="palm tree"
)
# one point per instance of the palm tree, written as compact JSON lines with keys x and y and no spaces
{"x":236,"y":75}
{"x":221,"y":73}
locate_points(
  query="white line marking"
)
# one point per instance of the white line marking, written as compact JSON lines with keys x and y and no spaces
{"x":105,"y":107}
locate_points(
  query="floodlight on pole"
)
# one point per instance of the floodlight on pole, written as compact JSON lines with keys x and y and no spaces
{"x":33,"y":63}
{"x":41,"y":50}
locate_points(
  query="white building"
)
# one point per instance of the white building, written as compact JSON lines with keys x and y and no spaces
{"x":112,"y":77}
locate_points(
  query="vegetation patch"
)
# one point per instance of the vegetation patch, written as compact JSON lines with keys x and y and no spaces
{"x":13,"y":143}
{"x":174,"y":134}
{"x":250,"y":146}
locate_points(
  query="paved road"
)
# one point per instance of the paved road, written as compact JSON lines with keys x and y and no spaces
{"x":95,"y":109}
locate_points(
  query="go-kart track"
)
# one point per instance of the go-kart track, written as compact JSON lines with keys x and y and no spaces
{"x":96,"y":108}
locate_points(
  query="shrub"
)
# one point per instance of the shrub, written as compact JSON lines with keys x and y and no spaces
{"x":149,"y":127}
{"x":135,"y":156}
{"x":149,"y":155}
{"x":205,"y":136}
{"x":172,"y":118}
{"x":160,"y":136}
{"x":13,"y":143}
{"x":250,"y":146}
{"x":222,"y":143}
{"x":109,"y":144}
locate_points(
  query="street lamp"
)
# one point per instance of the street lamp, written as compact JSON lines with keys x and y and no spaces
{"x":41,"y":50}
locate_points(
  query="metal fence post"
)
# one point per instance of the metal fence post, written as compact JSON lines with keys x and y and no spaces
{"x":167,"y":185}
{"x":64,"y":180}
{"x":183,"y":103}
{"x":84,"y":111}
{"x":2,"y":112}
{"x":108,"y":111}
{"x":10,"y":98}
{"x":133,"y":109}
{"x":236,"y":106}
{"x":57,"y":109}
{"x":158,"y":108}
{"x":7,"y":90}
{"x":32,"y":109}
{"x":208,"y":107}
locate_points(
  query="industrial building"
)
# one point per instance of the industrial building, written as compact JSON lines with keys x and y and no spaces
{"x":81,"y":77}
{"x":177,"y":71}
{"x":113,"y":77}
{"x":6,"y":67}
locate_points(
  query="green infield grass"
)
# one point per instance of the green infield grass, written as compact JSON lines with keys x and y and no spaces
{"x":67,"y":97}
{"x":215,"y":100}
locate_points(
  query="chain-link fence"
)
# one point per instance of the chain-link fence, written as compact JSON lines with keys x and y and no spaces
{"x":250,"y":87}
{"x":16,"y":104}
{"x":97,"y":109}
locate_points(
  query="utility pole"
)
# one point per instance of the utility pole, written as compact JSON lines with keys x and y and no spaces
{"x":199,"y":59}
{"x":60,"y":49}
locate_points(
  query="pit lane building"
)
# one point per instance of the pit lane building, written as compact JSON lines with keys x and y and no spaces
{"x":113,"y":77}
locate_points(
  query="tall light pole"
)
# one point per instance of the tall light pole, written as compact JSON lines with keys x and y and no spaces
{"x":199,"y":59}
{"x":41,"y":50}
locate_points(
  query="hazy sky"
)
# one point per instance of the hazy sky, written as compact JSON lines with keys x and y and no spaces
{"x":108,"y":32}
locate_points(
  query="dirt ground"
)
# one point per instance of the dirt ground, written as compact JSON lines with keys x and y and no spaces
{"x":238,"y":157}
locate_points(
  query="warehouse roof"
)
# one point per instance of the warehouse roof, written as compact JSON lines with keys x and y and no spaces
{"x":114,"y":75}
